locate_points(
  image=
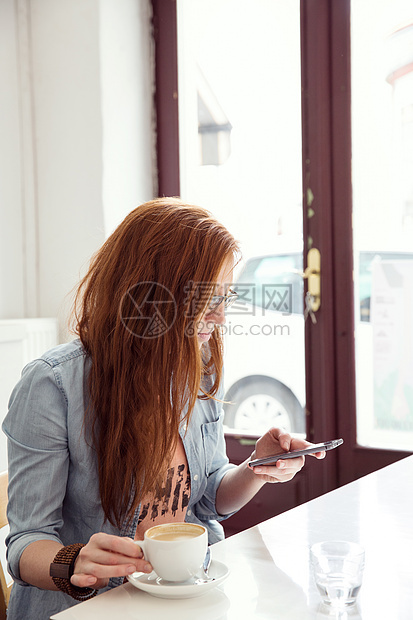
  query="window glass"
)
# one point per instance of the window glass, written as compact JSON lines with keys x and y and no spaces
{"x":273,"y":282}
{"x":240,"y":156}
{"x":382,"y":175}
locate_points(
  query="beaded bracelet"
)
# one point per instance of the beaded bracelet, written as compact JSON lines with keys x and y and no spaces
{"x":61,"y":569}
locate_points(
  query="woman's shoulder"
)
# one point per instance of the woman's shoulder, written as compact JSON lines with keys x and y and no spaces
{"x":63,"y":366}
{"x":64,"y":353}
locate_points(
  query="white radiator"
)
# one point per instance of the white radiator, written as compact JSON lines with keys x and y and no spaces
{"x":21,"y":341}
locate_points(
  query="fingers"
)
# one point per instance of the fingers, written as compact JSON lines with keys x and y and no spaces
{"x":116,"y":544}
{"x":318,"y":455}
{"x":282,"y":471}
{"x":292,"y":443}
{"x":88,"y":581}
{"x":107,"y":556}
{"x":283,"y":438}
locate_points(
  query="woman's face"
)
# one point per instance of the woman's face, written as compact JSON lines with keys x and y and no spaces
{"x":217,"y":317}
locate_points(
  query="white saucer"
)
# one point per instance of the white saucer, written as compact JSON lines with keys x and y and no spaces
{"x":189,"y":589}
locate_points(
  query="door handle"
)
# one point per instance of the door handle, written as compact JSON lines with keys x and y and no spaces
{"x":313,"y":275}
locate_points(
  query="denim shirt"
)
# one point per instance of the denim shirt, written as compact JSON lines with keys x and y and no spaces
{"x":53,"y":479}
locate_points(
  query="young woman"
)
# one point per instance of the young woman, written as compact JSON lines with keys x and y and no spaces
{"x":121,"y":429}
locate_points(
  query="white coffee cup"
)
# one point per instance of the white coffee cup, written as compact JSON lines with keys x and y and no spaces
{"x":175,"y":550}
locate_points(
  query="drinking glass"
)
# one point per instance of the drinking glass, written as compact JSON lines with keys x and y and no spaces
{"x":338,"y":571}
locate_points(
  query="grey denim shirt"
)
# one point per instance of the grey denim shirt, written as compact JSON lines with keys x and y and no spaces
{"x":53,"y":481}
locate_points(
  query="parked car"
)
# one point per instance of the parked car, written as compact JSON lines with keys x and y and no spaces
{"x":264,"y":341}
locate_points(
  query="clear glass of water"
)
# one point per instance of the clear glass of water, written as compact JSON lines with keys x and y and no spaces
{"x":338,"y":571}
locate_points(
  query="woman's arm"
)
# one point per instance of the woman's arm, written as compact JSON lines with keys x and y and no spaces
{"x":39,"y":456}
{"x":239,"y":485}
{"x":104,"y":556}
{"x":35,"y":562}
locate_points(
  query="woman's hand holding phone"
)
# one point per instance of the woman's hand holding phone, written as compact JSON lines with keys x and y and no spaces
{"x":276,"y":447}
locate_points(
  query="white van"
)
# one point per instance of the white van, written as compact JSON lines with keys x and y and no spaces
{"x":264,"y":341}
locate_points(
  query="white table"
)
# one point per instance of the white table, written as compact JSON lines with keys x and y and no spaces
{"x":269,"y":563}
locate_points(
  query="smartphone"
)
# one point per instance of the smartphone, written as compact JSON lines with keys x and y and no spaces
{"x":319,"y":447}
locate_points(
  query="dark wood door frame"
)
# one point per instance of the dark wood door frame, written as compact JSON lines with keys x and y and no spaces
{"x":166,"y":96}
{"x":330,"y":347}
{"x":317,"y":229}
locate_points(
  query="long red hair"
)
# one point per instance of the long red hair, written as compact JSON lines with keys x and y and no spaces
{"x":136,"y":312}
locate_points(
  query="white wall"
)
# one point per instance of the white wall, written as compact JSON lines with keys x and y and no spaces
{"x":76,"y":149}
{"x":129,"y":171}
{"x":76,"y":141}
{"x":11,"y":232}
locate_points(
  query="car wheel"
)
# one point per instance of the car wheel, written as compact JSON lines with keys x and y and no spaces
{"x":257,"y":405}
